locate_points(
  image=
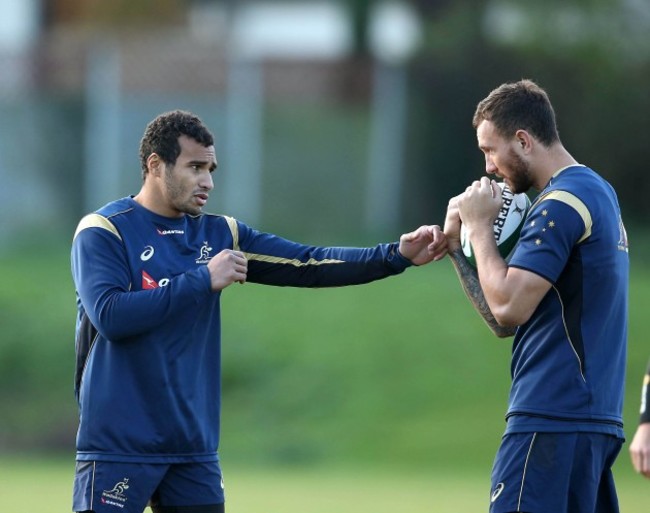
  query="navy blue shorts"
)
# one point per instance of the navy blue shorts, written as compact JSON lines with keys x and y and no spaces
{"x":111,"y":487}
{"x":558,"y":472}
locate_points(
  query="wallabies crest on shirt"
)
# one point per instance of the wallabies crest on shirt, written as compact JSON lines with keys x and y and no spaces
{"x":204,"y":253}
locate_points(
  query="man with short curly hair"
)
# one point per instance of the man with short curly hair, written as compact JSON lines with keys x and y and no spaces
{"x":149,"y":270}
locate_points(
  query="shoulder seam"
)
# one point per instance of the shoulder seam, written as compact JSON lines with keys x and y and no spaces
{"x":574,"y":202}
{"x":234,"y":230}
{"x":96,"y":221}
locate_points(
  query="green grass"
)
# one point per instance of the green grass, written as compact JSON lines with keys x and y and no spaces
{"x":383,"y":397}
{"x":381,"y":491}
{"x":45,"y":484}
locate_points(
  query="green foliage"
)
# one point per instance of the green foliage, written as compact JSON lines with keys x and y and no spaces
{"x":315,"y":177}
{"x":37,"y":308}
{"x":119,"y":13}
{"x":597,"y":80}
{"x":377,"y":372}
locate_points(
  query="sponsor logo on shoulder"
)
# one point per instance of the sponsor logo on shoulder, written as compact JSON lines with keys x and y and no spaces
{"x":116,"y":496}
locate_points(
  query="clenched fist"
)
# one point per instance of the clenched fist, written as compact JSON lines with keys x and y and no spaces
{"x":226,"y":268}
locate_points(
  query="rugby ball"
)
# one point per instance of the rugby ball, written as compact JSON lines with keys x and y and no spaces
{"x":507,"y":225}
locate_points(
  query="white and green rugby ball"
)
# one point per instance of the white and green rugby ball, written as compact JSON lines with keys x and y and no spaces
{"x":507,"y":225}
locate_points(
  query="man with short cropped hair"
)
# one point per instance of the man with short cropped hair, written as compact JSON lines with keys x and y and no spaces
{"x":149,"y":271}
{"x":563,"y":295}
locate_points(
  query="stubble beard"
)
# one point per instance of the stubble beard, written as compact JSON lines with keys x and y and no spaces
{"x":520,"y":176}
{"x":179,"y":198}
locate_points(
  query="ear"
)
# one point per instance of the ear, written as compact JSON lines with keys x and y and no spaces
{"x":155,"y":165}
{"x":524,"y":140}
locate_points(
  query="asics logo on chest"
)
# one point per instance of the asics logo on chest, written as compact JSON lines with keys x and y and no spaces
{"x":147,"y":253}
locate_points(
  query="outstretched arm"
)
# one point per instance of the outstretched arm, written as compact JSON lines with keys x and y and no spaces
{"x":467,"y":274}
{"x":273,"y":260}
{"x":423,"y":245}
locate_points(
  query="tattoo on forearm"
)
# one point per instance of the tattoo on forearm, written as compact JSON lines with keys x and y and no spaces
{"x":472,"y":286}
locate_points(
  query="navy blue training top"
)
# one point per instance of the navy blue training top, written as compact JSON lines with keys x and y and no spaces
{"x":148,"y":325}
{"x":568,"y":360}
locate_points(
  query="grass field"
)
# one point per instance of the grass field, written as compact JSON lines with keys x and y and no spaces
{"x":333,"y":399}
{"x":44,"y":486}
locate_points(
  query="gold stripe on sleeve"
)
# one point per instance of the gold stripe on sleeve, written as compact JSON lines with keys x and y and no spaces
{"x":232,"y":224}
{"x":96,"y":221}
{"x":291,"y":261}
{"x":575,"y":203}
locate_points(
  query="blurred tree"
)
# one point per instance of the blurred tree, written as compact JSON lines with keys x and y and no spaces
{"x":455,"y":67}
{"x":356,"y":70}
{"x":598,"y":85}
{"x":116,"y":11}
{"x":360,"y":11}
{"x":598,"y":80}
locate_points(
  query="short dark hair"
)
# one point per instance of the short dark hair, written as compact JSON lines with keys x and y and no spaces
{"x":516,"y":106}
{"x":161,"y":136}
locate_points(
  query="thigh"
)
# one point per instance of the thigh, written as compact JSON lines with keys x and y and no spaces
{"x":592,"y":486}
{"x":190,"y":488}
{"x":559,"y":472}
{"x":106,"y":487}
{"x":530,"y":473}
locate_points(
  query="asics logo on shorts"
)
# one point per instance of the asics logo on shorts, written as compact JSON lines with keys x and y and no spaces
{"x":497,"y":491}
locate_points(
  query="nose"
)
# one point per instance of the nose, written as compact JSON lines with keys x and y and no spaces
{"x":490,"y":168}
{"x":206,"y":181}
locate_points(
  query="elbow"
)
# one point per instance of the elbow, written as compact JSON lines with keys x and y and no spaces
{"x":113,"y":323}
{"x":509,"y":318}
{"x":113,"y":331}
{"x":114,"y":335}
{"x":504,"y":331}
